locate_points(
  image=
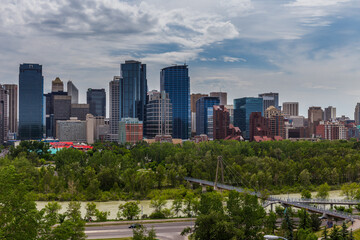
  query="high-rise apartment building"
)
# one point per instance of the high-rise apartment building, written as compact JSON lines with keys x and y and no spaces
{"x":290,"y":108}
{"x":270,"y":99}
{"x":221,"y":122}
{"x":357,"y":114}
{"x":259,"y":126}
{"x":133,"y":90}
{"x":96,"y":98}
{"x":31,"y":102}
{"x":230,"y":108}
{"x":12,"y":90}
{"x":329,"y":113}
{"x":4,"y":114}
{"x":57,"y":85}
{"x":175,"y":81}
{"x":73,"y":92}
{"x":331,"y":130}
{"x":158,"y":115}
{"x":243,"y":107}
{"x":221,"y":95}
{"x":315,"y":115}
{"x":114,"y":104}
{"x":204,"y":115}
{"x":193,"y":98}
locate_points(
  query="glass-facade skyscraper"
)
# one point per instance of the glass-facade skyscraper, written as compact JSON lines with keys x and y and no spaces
{"x":243,"y":107}
{"x":31,"y":102}
{"x":204,"y":113}
{"x":270,"y":99}
{"x":133,"y":90}
{"x":96,"y":98}
{"x":175,"y":81}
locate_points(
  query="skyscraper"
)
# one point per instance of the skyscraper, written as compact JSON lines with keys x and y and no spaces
{"x":221,"y":122}
{"x":357,"y":114}
{"x":329,"y":113}
{"x":175,"y":81}
{"x":12,"y":90}
{"x":158,"y":115}
{"x":204,"y":115}
{"x":193,"y":98}
{"x":4,"y":100}
{"x":243,"y":107}
{"x":96,"y":98}
{"x":221,"y":95}
{"x":73,"y":92}
{"x":114,"y":104}
{"x":31,"y":102}
{"x":315,"y":115}
{"x":291,"y":108}
{"x":270,"y":99}
{"x":133,"y":90}
{"x":57,"y":85}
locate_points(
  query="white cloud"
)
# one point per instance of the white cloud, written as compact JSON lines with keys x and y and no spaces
{"x":233,"y":59}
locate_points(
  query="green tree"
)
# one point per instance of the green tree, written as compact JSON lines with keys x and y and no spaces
{"x":344,"y":231}
{"x":323,"y":191}
{"x":304,"y":219}
{"x":350,"y":190}
{"x":160,"y":175}
{"x":325,"y":234}
{"x":305,"y":194}
{"x":129,"y":210}
{"x":315,"y":222}
{"x":141,"y":233}
{"x":158,"y":203}
{"x":335,"y":234}
{"x":177,"y":205}
{"x":270,"y":223}
{"x":305,"y":177}
{"x":288,"y":225}
{"x":91,"y":210}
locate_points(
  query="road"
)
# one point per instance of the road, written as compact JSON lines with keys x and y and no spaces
{"x":164,"y":231}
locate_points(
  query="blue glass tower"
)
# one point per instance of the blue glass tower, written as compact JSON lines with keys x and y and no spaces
{"x":175,"y":81}
{"x":96,"y":98}
{"x":31,"y":102}
{"x":204,"y":110}
{"x":133,"y":90}
{"x":243,"y":107}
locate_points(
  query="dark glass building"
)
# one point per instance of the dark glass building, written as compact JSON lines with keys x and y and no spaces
{"x":133,"y":90}
{"x":204,"y":113}
{"x":270,"y":99}
{"x":96,"y":98}
{"x":31,"y":102}
{"x":175,"y":81}
{"x":243,"y":107}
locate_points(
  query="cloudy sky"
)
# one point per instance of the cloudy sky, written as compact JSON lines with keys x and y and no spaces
{"x":307,"y":50}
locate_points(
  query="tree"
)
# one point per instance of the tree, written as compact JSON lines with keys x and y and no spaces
{"x":177,"y":205}
{"x":305,"y":194}
{"x":160,"y":175}
{"x":315,"y":222}
{"x":141,"y":233}
{"x":323,"y":191}
{"x":288,"y":225}
{"x":335,"y":234}
{"x":158,"y":203}
{"x":304,"y":219}
{"x":91,"y":211}
{"x":350,"y":190}
{"x":210,"y":201}
{"x":129,"y":210}
{"x":325,"y":234}
{"x":344,"y":231}
{"x":270,"y":223}
{"x":305,"y":177}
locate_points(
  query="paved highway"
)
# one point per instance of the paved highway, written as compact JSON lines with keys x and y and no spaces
{"x":164,"y":231}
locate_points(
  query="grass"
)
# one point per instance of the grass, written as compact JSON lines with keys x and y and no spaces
{"x":357,"y":234}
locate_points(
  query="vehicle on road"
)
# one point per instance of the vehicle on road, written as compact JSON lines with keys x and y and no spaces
{"x":135,"y":225}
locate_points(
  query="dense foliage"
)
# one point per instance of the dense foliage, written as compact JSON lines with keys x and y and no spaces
{"x":111,"y":171}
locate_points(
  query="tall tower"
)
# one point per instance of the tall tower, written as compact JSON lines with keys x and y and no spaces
{"x":73,"y":92}
{"x":175,"y":81}
{"x":96,"y":98}
{"x":315,"y":115}
{"x":270,"y":99}
{"x":57,"y":85}
{"x":329,"y":113}
{"x":31,"y":102}
{"x":4,"y":100}
{"x":193,"y":98}
{"x":357,"y":114}
{"x":204,"y":115}
{"x":12,"y":90}
{"x":133,"y":90}
{"x":114,"y":104}
{"x":291,"y":108}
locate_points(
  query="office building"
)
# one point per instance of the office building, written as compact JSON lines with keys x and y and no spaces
{"x":97,"y":128}
{"x":297,"y":121}
{"x":331,"y":130}
{"x":221,"y":95}
{"x":158,"y":115}
{"x":72,"y":130}
{"x":130,"y":130}
{"x":270,"y":99}
{"x":12,"y":90}
{"x":243,"y":107}
{"x":193,"y":98}
{"x":175,"y":81}
{"x":204,"y":115}
{"x":276,"y":125}
{"x":73,"y":92}
{"x":272,"y":111}
{"x":221,"y":122}
{"x":133,"y":90}
{"x":315,"y":115}
{"x":96,"y":98}
{"x":31,"y":102}
{"x":57,"y":85}
{"x":357,"y":114}
{"x":329,"y":113}
{"x":80,"y":111}
{"x":4,"y":114}
{"x":290,"y":109}
{"x":114,"y":104}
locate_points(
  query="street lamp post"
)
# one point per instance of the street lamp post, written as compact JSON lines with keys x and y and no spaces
{"x":273,"y":237}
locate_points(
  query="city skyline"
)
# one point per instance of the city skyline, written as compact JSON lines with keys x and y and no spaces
{"x":304,"y":50}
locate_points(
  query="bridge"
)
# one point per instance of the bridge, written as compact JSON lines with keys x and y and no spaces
{"x":298,"y":203}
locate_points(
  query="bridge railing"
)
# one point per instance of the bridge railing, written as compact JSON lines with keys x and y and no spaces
{"x":320,"y":200}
